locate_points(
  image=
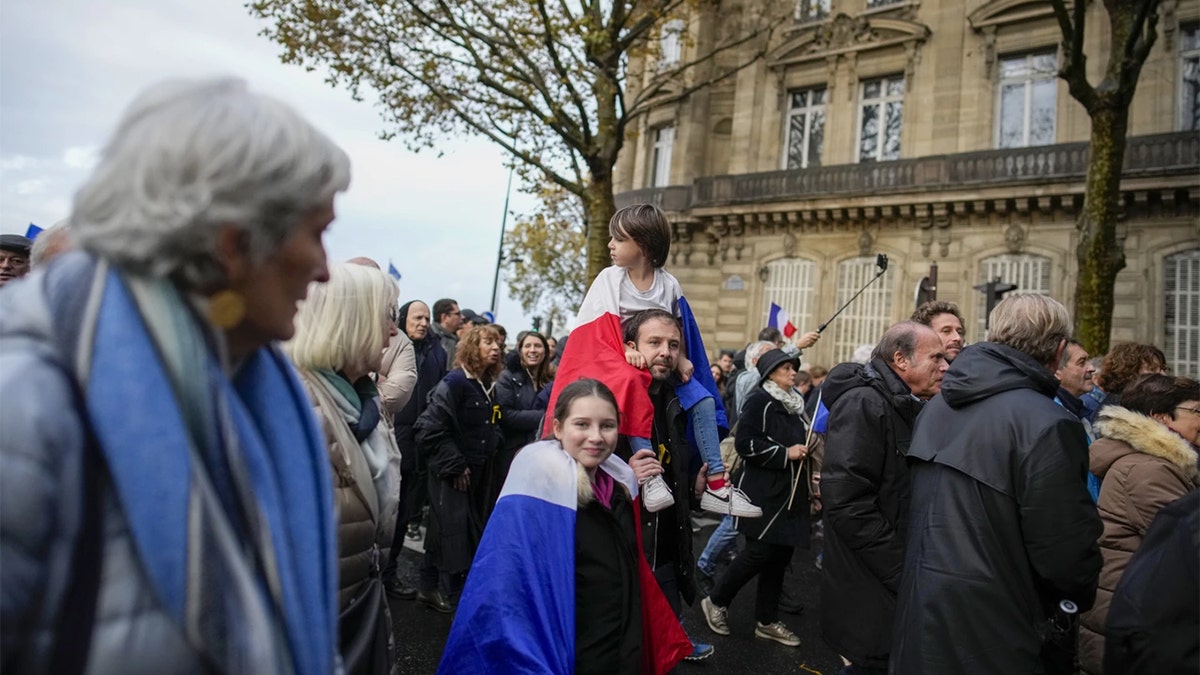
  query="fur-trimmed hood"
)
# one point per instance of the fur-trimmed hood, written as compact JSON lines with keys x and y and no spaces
{"x":1124,"y":432}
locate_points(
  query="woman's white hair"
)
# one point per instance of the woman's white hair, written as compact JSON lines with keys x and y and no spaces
{"x":343,"y":324}
{"x":189,"y":156}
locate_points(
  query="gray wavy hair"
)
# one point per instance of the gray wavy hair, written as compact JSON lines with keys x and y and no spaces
{"x":189,"y":156}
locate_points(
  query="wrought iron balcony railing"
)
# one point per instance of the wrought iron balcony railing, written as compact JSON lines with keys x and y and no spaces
{"x":1161,"y":154}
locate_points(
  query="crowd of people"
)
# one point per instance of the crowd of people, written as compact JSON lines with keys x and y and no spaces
{"x":231,"y":439}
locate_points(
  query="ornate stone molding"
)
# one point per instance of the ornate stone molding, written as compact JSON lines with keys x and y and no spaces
{"x":1168,"y":23}
{"x":789,"y":245}
{"x":1008,"y":12}
{"x":866,"y":243}
{"x":843,"y":35}
{"x":1014,"y":238}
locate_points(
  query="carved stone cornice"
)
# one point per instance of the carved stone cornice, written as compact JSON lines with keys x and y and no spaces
{"x":843,"y":35}
{"x":1008,"y":12}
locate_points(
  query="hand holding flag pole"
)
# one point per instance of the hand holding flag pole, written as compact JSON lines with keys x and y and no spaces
{"x":881,"y":260}
{"x":807,"y":441}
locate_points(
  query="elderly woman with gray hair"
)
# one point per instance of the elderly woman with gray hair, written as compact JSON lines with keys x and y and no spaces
{"x":166,"y":488}
{"x":342,"y":330}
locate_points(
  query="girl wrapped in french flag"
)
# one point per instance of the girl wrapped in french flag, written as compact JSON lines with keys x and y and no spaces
{"x":560,"y":583}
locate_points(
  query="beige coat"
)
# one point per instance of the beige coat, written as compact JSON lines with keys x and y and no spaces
{"x":359,"y":528}
{"x":1144,"y":466}
{"x":397,"y":377}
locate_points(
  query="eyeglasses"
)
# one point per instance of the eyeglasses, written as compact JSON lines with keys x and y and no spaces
{"x":1191,"y":410}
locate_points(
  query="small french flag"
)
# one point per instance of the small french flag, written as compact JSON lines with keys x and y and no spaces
{"x":779,"y":319}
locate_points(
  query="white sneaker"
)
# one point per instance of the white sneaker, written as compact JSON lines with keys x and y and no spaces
{"x":730,"y":500}
{"x":656,"y":496}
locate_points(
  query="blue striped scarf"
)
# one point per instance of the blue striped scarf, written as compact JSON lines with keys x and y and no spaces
{"x":224,"y":481}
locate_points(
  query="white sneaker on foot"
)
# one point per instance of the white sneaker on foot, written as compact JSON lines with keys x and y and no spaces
{"x":656,"y":496}
{"x":731,"y":500}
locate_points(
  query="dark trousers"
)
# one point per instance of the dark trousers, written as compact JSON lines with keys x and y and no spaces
{"x":767,"y":562}
{"x":430,"y":578}
{"x":665,"y":574}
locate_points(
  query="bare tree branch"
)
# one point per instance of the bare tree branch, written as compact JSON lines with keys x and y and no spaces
{"x":1074,"y":67}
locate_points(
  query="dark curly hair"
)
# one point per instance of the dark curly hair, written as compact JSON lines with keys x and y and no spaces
{"x":1125,"y":362}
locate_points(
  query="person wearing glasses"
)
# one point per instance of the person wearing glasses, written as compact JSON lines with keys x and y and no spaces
{"x":1146,"y":459}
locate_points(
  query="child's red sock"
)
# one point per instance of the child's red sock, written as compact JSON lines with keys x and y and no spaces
{"x":716,"y":483}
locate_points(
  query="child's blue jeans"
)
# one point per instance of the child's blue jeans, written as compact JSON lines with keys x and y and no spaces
{"x":703,"y":417}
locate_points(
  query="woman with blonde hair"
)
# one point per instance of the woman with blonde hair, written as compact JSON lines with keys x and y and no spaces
{"x":342,"y":330}
{"x":459,"y":434}
{"x":166,"y":489}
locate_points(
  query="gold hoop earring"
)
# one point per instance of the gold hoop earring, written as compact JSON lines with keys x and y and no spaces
{"x":226,"y":309}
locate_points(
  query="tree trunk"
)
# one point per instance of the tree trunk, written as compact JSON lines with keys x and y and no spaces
{"x":1099,"y":252}
{"x":600,"y":207}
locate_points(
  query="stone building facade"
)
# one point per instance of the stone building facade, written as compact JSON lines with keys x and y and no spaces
{"x":931,"y":131}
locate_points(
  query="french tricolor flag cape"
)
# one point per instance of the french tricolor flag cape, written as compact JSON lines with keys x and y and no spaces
{"x":517,"y":612}
{"x":596,"y":349}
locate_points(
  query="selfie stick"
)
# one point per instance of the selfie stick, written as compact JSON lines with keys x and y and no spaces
{"x":881,"y":261}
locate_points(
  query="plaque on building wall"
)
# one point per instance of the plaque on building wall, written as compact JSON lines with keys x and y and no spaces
{"x":735,"y":283}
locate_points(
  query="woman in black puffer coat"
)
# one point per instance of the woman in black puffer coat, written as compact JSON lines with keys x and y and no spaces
{"x":527,"y":371}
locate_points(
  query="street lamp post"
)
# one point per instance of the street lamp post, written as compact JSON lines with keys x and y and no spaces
{"x":500,"y":251}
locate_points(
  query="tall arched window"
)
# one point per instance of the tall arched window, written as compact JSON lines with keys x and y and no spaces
{"x":1031,"y":274}
{"x":1181,"y":312}
{"x":866,"y":319}
{"x":791,"y":284}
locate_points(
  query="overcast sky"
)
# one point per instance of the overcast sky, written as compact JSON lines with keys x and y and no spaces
{"x":69,"y":67}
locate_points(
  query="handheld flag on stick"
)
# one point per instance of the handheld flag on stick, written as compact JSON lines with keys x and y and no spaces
{"x":780,"y":321}
{"x":393,"y":272}
{"x":820,"y":417}
{"x":32,"y":232}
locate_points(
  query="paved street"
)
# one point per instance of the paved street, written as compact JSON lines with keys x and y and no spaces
{"x":421,"y":632}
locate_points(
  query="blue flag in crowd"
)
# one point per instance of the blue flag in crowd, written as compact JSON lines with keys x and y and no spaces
{"x":32,"y":232}
{"x":395,"y":273}
{"x":820,"y":418}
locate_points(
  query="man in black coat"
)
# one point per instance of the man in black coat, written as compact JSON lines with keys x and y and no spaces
{"x":1001,"y":525}
{"x":864,"y":488}
{"x":667,"y":534}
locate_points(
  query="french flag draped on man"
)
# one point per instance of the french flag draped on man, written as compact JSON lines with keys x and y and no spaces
{"x":517,"y":612}
{"x":596,"y":349}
